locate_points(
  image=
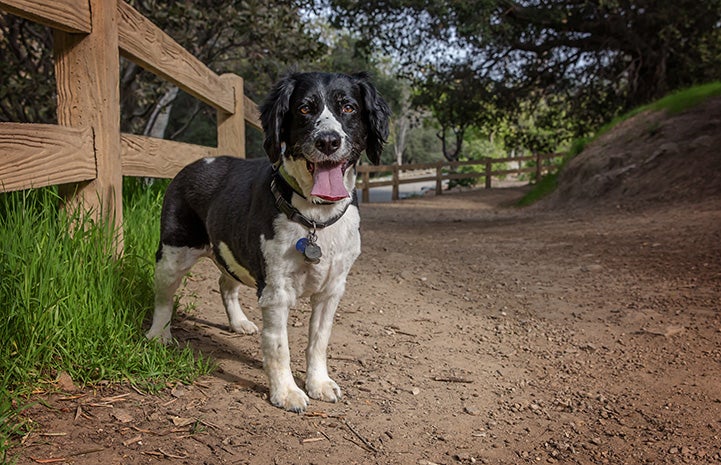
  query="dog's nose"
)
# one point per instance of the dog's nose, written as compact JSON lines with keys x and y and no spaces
{"x":328,"y":142}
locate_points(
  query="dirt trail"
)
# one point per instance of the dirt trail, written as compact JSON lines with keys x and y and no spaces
{"x":471,"y":332}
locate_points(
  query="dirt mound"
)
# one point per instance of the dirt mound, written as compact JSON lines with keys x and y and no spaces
{"x":651,"y":157}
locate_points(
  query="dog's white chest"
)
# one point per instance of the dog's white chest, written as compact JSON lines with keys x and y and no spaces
{"x":290,"y":276}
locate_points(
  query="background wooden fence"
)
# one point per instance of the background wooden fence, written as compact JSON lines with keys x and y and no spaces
{"x":85,"y":152}
{"x":445,"y":171}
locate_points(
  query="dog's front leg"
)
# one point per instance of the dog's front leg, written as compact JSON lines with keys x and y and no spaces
{"x":318,"y":384}
{"x":284,"y":392}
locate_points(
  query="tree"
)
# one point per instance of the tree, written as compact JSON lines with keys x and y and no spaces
{"x":458,"y":99}
{"x":25,"y":91}
{"x":601,"y":56}
{"x":256,"y":39}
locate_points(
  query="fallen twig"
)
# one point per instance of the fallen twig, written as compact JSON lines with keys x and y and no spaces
{"x":135,"y":439}
{"x":162,"y":453}
{"x":113,"y":399}
{"x":56,"y":460}
{"x":452,"y":379}
{"x":65,"y":459}
{"x":365,"y":441}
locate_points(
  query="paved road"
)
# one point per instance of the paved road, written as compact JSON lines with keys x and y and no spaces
{"x":384,"y":193}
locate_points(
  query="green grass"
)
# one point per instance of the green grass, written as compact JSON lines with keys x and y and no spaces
{"x":542,"y":188}
{"x":673,"y":103}
{"x":67,"y":305}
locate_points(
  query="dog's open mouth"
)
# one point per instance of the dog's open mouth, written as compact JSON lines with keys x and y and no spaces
{"x":328,"y":180}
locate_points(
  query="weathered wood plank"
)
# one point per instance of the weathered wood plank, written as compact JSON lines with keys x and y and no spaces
{"x":38,"y":155}
{"x":65,"y":15}
{"x":144,"y":43}
{"x":231,"y":126}
{"x":87,"y":71}
{"x":158,"y":158}
{"x":252,"y":113}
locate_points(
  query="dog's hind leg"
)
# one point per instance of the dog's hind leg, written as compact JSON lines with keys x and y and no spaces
{"x":236,"y":318}
{"x":171,"y":265}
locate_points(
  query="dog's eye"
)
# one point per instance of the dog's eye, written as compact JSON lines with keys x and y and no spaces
{"x":304,"y":110}
{"x":348,"y":108}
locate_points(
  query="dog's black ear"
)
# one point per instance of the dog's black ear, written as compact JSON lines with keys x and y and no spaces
{"x":272,"y":116}
{"x":377,"y":117}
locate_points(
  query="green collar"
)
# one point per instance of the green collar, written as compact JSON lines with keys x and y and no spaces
{"x":290,"y":180}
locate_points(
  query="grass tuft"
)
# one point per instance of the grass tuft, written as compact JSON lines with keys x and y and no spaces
{"x":67,"y":305}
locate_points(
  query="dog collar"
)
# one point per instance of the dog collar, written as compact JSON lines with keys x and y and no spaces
{"x":283,"y":192}
{"x":290,"y":181}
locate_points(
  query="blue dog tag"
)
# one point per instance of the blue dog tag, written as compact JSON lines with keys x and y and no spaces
{"x":301,"y":244}
{"x":310,"y":250}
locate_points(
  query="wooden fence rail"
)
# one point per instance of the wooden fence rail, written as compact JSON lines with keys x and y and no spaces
{"x":86,"y":153}
{"x":365,"y":183}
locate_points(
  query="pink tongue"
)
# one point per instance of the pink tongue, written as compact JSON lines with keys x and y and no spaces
{"x":328,"y":183}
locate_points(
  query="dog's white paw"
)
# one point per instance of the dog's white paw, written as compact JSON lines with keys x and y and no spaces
{"x":324,"y":389}
{"x":244,"y":327}
{"x":161,"y":335}
{"x":290,"y":397}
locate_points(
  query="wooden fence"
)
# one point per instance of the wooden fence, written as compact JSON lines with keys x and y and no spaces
{"x":445,"y":171}
{"x":85,"y":152}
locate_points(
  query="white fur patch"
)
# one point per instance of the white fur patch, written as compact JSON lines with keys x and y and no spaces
{"x":328,"y":122}
{"x":208,"y":160}
{"x":236,"y":268}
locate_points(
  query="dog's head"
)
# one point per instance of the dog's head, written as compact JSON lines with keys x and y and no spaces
{"x":317,"y":125}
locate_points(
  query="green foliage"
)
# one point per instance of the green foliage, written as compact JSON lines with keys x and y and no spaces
{"x":68,"y":306}
{"x":423,"y":146}
{"x":27,"y":84}
{"x":682,"y":100}
{"x":598,"y":57}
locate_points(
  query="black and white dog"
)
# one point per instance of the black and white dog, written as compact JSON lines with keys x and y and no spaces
{"x":289,"y":227}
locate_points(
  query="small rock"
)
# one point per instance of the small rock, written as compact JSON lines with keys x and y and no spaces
{"x":178,"y":391}
{"x":65,"y":382}
{"x":471,"y":410}
{"x":123,"y":416}
{"x":702,"y":142}
{"x":669,"y":148}
{"x":464,"y":457}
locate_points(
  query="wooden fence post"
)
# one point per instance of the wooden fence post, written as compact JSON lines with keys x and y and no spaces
{"x":395,"y":195}
{"x":231,"y":127}
{"x":538,"y":167}
{"x":87,"y":70}
{"x":366,"y":187}
{"x":439,"y":177}
{"x":489,"y":170}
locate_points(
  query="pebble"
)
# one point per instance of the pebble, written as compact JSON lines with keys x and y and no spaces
{"x":471,"y":410}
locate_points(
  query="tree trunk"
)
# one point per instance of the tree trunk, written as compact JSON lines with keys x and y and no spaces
{"x":159,"y":118}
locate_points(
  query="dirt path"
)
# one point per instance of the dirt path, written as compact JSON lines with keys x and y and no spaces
{"x":471,"y":332}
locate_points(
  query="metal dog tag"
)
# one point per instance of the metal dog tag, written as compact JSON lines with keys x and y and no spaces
{"x":310,"y":250}
{"x":312,"y":253}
